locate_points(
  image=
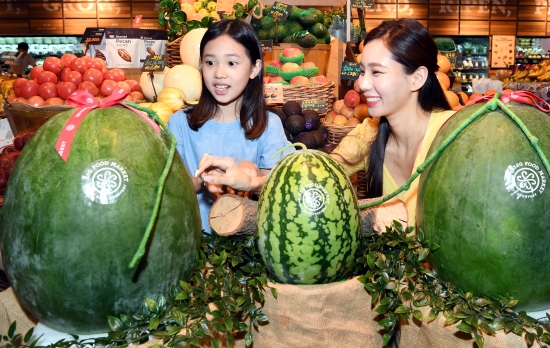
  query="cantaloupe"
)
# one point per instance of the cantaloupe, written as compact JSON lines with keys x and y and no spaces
{"x":190,"y":45}
{"x":186,"y":78}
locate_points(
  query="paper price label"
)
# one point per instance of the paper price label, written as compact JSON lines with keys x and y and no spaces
{"x":154,"y":63}
{"x":273,"y":94}
{"x":362,"y":4}
{"x":314,"y":104}
{"x":225,"y":6}
{"x":266,"y":45}
{"x":92,"y":36}
{"x":280,"y":11}
{"x":350,"y":71}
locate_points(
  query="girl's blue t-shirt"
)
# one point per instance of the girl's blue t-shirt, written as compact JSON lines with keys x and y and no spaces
{"x":226,"y":139}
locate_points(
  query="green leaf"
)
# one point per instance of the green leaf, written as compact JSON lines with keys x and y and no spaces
{"x":465,"y":328}
{"x":381,"y":309}
{"x":152,"y":305}
{"x":248,"y":339}
{"x":402,"y":309}
{"x":423,"y":254}
{"x":434,"y":246}
{"x":154,"y":323}
{"x":11,"y":329}
{"x":370,"y":261}
{"x":173,"y":330}
{"x":114,"y":323}
{"x":274,"y":292}
{"x":385,"y":300}
{"x":451,"y":319}
{"x":479,"y":340}
{"x":530,"y":337}
{"x":161,"y":19}
{"x":386,"y":339}
{"x":28,"y":335}
{"x":511,"y":303}
{"x":433,"y":315}
{"x":482,"y":302}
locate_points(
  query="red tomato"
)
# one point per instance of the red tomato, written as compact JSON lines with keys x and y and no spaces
{"x":138,"y":96}
{"x":11,"y":98}
{"x":102,"y":62}
{"x":46,"y":76}
{"x":134,"y":85}
{"x":107,"y":87}
{"x":87,"y":58}
{"x":67,"y":58}
{"x":65,"y":89}
{"x":36,"y":101}
{"x":29,"y":89}
{"x":95,"y":64}
{"x":111,"y":75}
{"x":20,"y":100}
{"x":121,"y":73}
{"x":53,"y":64}
{"x":17,"y":84}
{"x":80,"y":65}
{"x":74,"y":77}
{"x":35,"y":71}
{"x":47,"y":90}
{"x":88,"y":87}
{"x":63,"y":74}
{"x":93,"y":75}
{"x":124,"y":85}
{"x":129,"y":98}
{"x":54,"y":101}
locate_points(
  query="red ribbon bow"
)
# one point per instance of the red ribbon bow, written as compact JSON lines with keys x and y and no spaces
{"x":516,"y":96}
{"x":85,"y":103}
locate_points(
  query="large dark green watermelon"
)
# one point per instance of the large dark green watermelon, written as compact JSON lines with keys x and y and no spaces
{"x":484,"y":200}
{"x":308,"y":220}
{"x":67,"y":248}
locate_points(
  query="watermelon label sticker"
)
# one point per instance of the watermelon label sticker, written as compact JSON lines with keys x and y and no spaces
{"x":314,"y":199}
{"x":524,"y":180}
{"x":104,"y":181}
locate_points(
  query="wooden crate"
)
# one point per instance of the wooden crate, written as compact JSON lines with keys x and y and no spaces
{"x":319,"y":54}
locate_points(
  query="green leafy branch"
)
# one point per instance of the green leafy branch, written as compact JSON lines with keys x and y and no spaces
{"x":394,"y":270}
{"x":242,"y":11}
{"x":175,"y":20}
{"x":225,"y":293}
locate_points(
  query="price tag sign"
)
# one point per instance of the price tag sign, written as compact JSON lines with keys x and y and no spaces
{"x":350,"y":71}
{"x":362,"y":3}
{"x":314,"y":104}
{"x":280,"y":11}
{"x":92,"y":36}
{"x":225,"y":6}
{"x":154,"y":63}
{"x":266,"y":45}
{"x":8,"y":57}
{"x":273,"y":93}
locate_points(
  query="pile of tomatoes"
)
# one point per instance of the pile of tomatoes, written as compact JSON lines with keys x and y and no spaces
{"x":57,"y":78}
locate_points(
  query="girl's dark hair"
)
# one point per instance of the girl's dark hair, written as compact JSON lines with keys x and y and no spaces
{"x":412,"y":47}
{"x":253,"y":115}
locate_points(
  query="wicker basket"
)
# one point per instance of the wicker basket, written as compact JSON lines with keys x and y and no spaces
{"x":173,"y":52}
{"x":23,"y":118}
{"x":336,"y":133}
{"x":318,"y":91}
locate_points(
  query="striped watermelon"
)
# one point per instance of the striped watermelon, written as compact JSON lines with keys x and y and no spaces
{"x":308,"y":220}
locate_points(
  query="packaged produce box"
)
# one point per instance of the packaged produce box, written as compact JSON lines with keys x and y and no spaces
{"x":319,"y":54}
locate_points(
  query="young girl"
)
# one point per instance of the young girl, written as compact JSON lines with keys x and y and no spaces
{"x":229,"y":129}
{"x":407,"y":104}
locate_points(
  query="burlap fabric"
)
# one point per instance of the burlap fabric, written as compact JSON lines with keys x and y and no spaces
{"x":416,"y":334}
{"x":11,"y":310}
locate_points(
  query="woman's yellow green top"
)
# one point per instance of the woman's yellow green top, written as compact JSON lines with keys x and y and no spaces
{"x":354,"y":149}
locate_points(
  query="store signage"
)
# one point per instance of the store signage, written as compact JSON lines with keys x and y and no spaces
{"x":350,"y":71}
{"x":6,"y":57}
{"x":137,"y":21}
{"x":224,"y":6}
{"x":314,"y":104}
{"x":154,"y":63}
{"x":92,"y":36}
{"x":362,"y":3}
{"x":266,"y":45}
{"x":280,"y":11}
{"x":273,"y":93}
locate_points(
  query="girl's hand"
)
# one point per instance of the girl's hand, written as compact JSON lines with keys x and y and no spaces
{"x":224,"y":171}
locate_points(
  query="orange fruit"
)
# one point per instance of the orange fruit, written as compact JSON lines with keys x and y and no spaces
{"x":475,"y":95}
{"x":452,"y":98}
{"x":490,"y":91}
{"x":507,"y":90}
{"x":443,"y":79}
{"x":443,"y":63}
{"x":463,"y":96}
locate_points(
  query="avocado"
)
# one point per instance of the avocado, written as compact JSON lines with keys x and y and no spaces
{"x":267,"y":23}
{"x":294,"y":13}
{"x":266,"y":10}
{"x":292,"y":107}
{"x":318,"y":30}
{"x":307,"y":18}
{"x":278,"y":112}
{"x":320,"y":17}
{"x":306,"y":41}
{"x":313,"y":121}
{"x":281,"y":29}
{"x":289,"y":39}
{"x":255,"y":24}
{"x":319,"y":137}
{"x":307,"y":139}
{"x":294,"y":27}
{"x":295,"y":124}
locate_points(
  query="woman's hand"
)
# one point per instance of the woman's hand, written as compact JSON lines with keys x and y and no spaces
{"x":225,"y":172}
